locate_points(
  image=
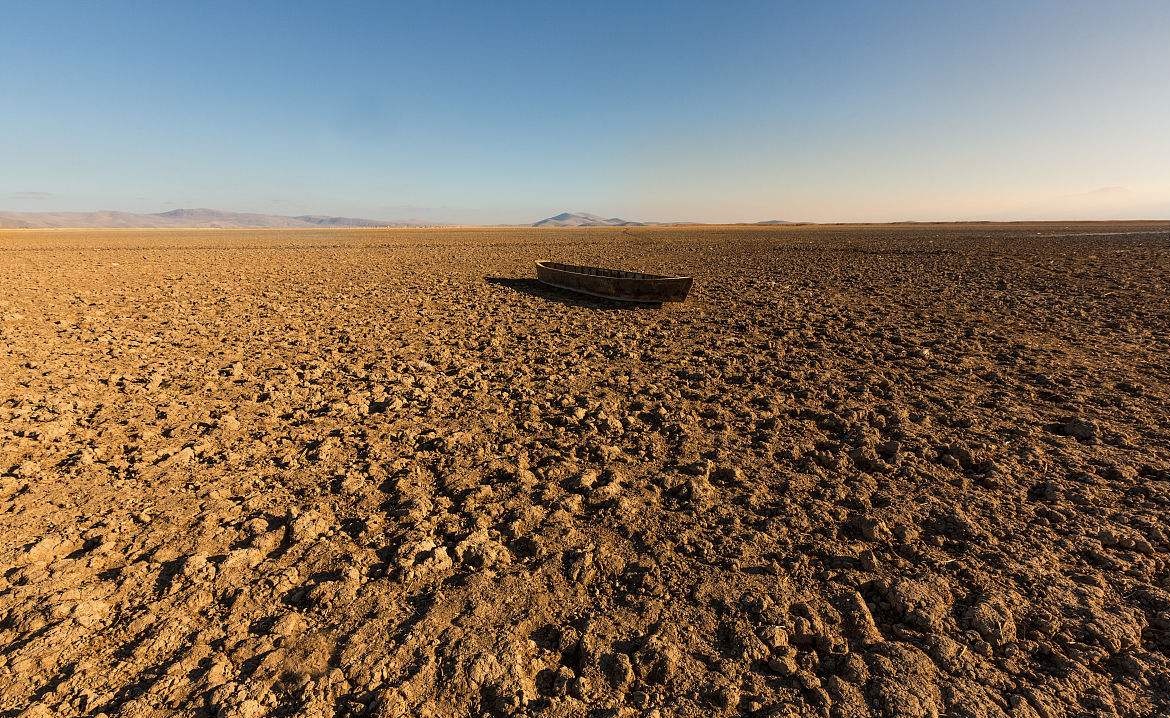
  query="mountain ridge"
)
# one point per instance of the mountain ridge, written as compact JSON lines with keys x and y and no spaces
{"x":194,"y":218}
{"x":205,"y":218}
{"x":585,"y":219}
{"x":588,"y":219}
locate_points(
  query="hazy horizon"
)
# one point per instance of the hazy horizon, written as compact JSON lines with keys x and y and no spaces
{"x":58,"y":220}
{"x":469,"y":114}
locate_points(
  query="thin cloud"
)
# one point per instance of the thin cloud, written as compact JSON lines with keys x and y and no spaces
{"x":30,"y":195}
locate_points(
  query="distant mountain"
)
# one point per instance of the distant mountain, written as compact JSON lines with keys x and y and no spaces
{"x":195,"y":218}
{"x":776,"y":221}
{"x":321,"y":220}
{"x":584,"y":219}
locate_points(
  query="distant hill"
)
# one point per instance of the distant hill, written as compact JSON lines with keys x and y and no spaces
{"x":320,"y":220}
{"x":195,"y":218}
{"x":584,"y":219}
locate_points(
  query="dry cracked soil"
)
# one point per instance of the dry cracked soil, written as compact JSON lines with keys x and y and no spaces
{"x":917,"y":470}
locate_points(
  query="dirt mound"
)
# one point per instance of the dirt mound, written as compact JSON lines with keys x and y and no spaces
{"x":894,"y":471}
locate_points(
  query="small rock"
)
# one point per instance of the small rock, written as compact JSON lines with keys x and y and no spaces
{"x":618,"y":668}
{"x":196,"y":567}
{"x":603,"y":495}
{"x":241,"y":558}
{"x":656,"y":661}
{"x":696,"y":468}
{"x":27,"y":470}
{"x":1080,"y":429}
{"x":267,"y":542}
{"x":1120,"y":472}
{"x":256,"y":526}
{"x":579,"y":688}
{"x":993,"y":620}
{"x":480,"y":551}
{"x":220,"y":671}
{"x":697,"y":491}
{"x":90,"y":613}
{"x":726,"y":474}
{"x":725,"y":696}
{"x":784,"y":664}
{"x":582,"y":482}
{"x":288,"y":625}
{"x":555,"y":683}
{"x":774,"y":637}
{"x":876,"y":530}
{"x":308,"y":526}
{"x":859,"y":620}
{"x":48,"y":549}
{"x":8,"y":486}
{"x":920,"y":604}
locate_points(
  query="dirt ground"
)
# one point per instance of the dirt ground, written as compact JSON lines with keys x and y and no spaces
{"x":909,"y":470}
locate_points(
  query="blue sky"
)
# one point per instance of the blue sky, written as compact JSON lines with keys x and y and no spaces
{"x":505,"y":112}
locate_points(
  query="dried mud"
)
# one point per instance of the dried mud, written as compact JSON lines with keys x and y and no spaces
{"x":897,"y":471}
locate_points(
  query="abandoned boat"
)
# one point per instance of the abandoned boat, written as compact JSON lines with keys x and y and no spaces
{"x":614,"y":283}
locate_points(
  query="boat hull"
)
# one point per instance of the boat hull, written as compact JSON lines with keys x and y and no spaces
{"x":614,"y":284}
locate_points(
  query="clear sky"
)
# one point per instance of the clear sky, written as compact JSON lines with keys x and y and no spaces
{"x":507,"y":112}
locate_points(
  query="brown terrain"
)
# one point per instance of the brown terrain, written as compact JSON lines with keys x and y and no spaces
{"x":916,"y":470}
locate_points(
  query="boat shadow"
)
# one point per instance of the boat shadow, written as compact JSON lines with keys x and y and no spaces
{"x":535,"y":288}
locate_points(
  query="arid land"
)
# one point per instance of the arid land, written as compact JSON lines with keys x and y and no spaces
{"x":895,"y":470}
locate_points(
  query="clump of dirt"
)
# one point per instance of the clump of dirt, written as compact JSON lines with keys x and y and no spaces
{"x":884,"y":470}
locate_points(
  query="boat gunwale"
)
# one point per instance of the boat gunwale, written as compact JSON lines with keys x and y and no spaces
{"x":623,"y":274}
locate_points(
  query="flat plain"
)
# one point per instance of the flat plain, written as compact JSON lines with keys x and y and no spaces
{"x":894,"y":470}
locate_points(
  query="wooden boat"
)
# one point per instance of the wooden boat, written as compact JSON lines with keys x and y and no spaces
{"x":614,"y":283}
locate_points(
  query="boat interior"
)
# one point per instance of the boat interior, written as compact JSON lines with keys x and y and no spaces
{"x":601,"y":272}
